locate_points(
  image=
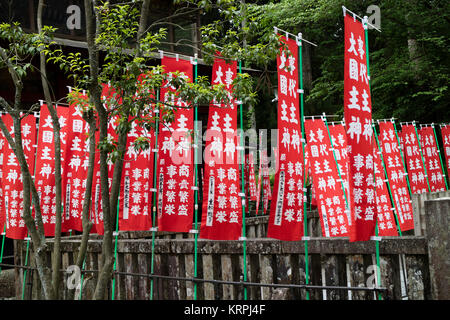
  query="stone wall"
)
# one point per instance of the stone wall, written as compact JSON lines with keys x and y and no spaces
{"x":412,"y":267}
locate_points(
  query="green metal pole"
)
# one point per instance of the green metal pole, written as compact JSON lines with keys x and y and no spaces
{"x":3,"y":245}
{"x":302,"y":120}
{"x":440,"y":157}
{"x":82,"y":279}
{"x":377,"y":245}
{"x":421,"y":155}
{"x":154,"y":229}
{"x":25,"y":271}
{"x":244,"y":238}
{"x":196,"y":147}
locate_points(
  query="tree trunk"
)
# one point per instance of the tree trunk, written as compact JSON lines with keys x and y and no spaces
{"x":87,"y":224}
{"x":56,"y":257}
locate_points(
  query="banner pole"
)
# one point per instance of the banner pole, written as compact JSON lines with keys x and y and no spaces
{"x":421,"y":155}
{"x":196,"y":147}
{"x":244,"y":238}
{"x":82,"y":278}
{"x":3,"y":245}
{"x":440,"y":157}
{"x":302,"y":117}
{"x":25,"y":271}
{"x":154,"y":229}
{"x":365,"y":23}
{"x":409,"y":187}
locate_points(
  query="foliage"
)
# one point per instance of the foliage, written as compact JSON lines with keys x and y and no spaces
{"x":404,"y":85}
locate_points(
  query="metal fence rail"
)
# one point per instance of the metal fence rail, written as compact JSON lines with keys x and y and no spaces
{"x":241,"y":284}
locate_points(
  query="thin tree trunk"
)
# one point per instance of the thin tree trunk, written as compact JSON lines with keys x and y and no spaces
{"x":86,"y":222}
{"x":37,"y":234}
{"x":94,"y":89}
{"x":56,"y":257}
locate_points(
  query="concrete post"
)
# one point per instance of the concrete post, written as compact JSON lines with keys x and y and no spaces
{"x":437,"y":213}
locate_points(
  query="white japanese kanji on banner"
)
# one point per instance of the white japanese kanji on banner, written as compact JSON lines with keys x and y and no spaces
{"x":175,"y":171}
{"x":329,"y":193}
{"x":396,"y":175}
{"x":432,"y":161}
{"x":135,"y":195}
{"x":445,"y":131}
{"x":385,"y":217}
{"x":222,"y":207}
{"x":45,"y":166}
{"x":11,"y":182}
{"x":75,"y":167}
{"x":358,"y":120}
{"x":286,"y":209}
{"x":339,"y":140}
{"x":250,"y":178}
{"x":264,"y":183}
{"x":413,"y":159}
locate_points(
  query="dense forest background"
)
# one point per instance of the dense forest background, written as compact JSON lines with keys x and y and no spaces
{"x":409,"y":59}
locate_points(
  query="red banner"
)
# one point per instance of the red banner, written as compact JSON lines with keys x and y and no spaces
{"x":45,"y":166}
{"x":12,"y":187}
{"x":263,"y":183}
{"x":222,"y":206}
{"x":385,"y":218}
{"x":445,"y":131}
{"x":286,"y":210}
{"x":396,"y":175}
{"x":75,"y":167}
{"x":96,"y":215}
{"x":358,"y":120}
{"x":330,"y":198}
{"x":339,"y":139}
{"x":250,"y":179}
{"x":413,"y":159}
{"x":175,"y":158}
{"x":432,"y":161}
{"x":135,"y":196}
{"x":267,"y":192}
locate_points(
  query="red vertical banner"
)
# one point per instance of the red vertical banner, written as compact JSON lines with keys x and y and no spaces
{"x":263,"y":184}
{"x":250,"y":179}
{"x":222,"y":200}
{"x":96,"y":213}
{"x":339,"y":140}
{"x":2,"y":217}
{"x":45,"y":166}
{"x":385,"y":217}
{"x":286,"y":210}
{"x":432,"y":161}
{"x":135,"y":195}
{"x":358,"y":120}
{"x":413,"y":159}
{"x":259,"y":184}
{"x":175,"y":158}
{"x":396,"y":175}
{"x":12,"y":208}
{"x":445,"y":132}
{"x":334,"y":218}
{"x":267,"y":192}
{"x":75,"y":167}
{"x":110,"y":99}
